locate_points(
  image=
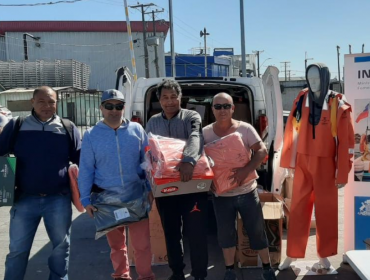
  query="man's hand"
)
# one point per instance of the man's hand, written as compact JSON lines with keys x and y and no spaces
{"x":240,"y":174}
{"x":186,"y":171}
{"x":90,"y":210}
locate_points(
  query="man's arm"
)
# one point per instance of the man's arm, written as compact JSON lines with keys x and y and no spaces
{"x":144,"y":144}
{"x":194,"y":144}
{"x":240,"y":174}
{"x":5,"y":137}
{"x":148,"y":127}
{"x":87,"y":170}
{"x":75,"y":153}
{"x":193,"y":148}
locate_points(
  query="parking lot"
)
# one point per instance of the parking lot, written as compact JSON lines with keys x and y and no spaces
{"x":89,"y":258}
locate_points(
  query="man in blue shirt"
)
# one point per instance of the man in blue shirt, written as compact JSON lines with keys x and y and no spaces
{"x":111,"y":154}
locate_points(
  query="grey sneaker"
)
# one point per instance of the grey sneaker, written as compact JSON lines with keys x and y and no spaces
{"x":268,"y":274}
{"x":230,"y":275}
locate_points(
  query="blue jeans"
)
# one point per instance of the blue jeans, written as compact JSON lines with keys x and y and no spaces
{"x":25,"y":217}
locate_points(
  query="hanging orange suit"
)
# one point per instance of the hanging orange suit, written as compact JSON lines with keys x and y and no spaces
{"x":321,"y":156}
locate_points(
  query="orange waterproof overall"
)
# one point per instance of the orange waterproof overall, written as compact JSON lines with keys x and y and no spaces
{"x":320,"y":163}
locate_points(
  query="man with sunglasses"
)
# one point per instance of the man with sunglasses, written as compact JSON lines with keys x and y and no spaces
{"x":189,"y":209}
{"x":111,"y":154}
{"x":243,"y":199}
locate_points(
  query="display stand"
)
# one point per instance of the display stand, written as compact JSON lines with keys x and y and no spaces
{"x":359,"y":261}
{"x":302,"y":268}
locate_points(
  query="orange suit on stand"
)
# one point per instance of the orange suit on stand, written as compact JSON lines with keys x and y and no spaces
{"x":321,"y":156}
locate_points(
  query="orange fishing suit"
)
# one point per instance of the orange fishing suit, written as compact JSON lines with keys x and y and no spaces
{"x":320,"y":163}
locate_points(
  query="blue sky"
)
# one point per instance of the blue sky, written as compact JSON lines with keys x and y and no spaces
{"x":283,"y":29}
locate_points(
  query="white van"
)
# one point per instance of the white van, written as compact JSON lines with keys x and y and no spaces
{"x":257,"y":101}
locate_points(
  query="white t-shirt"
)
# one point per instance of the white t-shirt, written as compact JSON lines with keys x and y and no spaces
{"x":249,"y":138}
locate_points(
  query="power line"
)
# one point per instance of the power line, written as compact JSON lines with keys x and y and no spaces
{"x":41,"y":4}
{"x":108,"y":3}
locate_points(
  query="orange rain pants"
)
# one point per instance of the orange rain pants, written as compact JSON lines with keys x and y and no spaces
{"x":314,"y":183}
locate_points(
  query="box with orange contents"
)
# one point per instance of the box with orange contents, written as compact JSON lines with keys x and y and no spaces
{"x":173,"y":186}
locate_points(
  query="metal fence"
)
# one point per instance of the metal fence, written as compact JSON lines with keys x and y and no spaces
{"x":82,"y":107}
{"x":57,"y":73}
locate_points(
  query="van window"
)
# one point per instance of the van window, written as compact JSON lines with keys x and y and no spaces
{"x":199,"y":98}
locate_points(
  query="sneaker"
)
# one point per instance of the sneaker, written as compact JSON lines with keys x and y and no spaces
{"x":177,"y":277}
{"x":230,"y":275}
{"x":268,"y":274}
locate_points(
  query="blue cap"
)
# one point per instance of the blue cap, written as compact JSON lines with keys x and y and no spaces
{"x":112,"y":94}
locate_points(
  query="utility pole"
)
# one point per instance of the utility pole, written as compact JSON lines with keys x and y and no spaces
{"x":204,"y":33}
{"x":132,"y":53}
{"x":173,"y":65}
{"x":146,"y":55}
{"x":258,"y":61}
{"x":285,"y":66}
{"x":244,"y":70}
{"x":155,"y":47}
{"x":305,"y":60}
{"x":340,"y":84}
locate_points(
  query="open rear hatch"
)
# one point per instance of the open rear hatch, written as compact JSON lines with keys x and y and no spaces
{"x":274,"y":111}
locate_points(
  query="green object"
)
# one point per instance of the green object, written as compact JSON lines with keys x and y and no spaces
{"x":7,"y":180}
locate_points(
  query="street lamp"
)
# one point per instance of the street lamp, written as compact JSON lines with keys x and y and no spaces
{"x":263,"y":63}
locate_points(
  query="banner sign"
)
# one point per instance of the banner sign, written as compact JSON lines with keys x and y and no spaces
{"x":357,"y":191}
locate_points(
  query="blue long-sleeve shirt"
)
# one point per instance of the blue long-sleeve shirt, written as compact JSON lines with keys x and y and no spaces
{"x":111,"y":158}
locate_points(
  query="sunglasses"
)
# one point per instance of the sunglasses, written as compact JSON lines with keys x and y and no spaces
{"x":225,"y":106}
{"x":110,"y":106}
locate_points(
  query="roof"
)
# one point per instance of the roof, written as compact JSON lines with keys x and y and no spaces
{"x":79,"y":26}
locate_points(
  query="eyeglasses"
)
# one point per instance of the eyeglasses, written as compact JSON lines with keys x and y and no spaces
{"x":110,"y":106}
{"x":225,"y":106}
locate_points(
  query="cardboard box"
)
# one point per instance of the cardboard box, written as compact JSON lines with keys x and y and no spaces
{"x":7,"y":180}
{"x":288,"y":202}
{"x":172,"y":186}
{"x":157,"y":240}
{"x":273,"y":214}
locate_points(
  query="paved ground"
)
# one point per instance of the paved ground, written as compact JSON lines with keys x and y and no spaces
{"x":90,"y":258}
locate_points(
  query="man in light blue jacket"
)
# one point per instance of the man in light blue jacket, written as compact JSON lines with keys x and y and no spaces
{"x":111,"y":154}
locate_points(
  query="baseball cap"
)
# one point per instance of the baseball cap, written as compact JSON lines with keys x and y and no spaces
{"x":3,"y":120}
{"x":112,"y":94}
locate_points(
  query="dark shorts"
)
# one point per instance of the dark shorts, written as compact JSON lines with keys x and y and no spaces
{"x":249,"y":207}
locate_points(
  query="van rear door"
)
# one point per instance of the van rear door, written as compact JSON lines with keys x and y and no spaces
{"x":274,"y":112}
{"x":124,"y":83}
